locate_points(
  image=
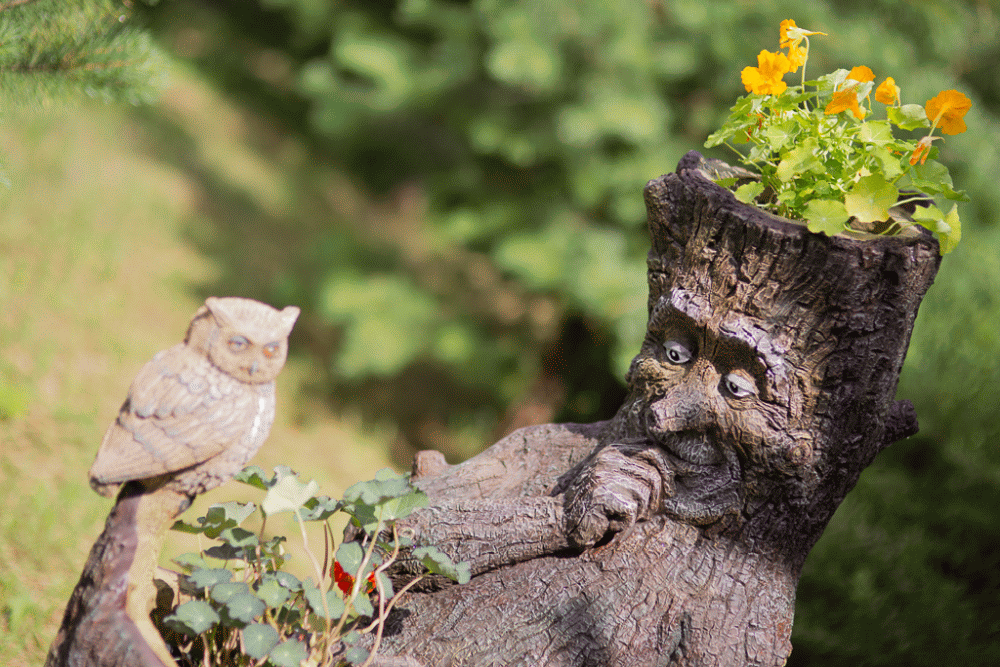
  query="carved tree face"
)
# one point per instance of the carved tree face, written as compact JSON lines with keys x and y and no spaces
{"x":712,"y":391}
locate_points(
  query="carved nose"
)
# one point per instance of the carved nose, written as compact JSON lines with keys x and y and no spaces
{"x":683,"y":410}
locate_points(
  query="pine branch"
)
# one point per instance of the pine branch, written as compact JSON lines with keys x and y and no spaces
{"x":51,"y":49}
{"x":14,"y":3}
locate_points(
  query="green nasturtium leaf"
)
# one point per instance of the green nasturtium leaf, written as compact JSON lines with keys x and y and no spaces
{"x":191,"y":562}
{"x":209,"y":577}
{"x":222,"y":592}
{"x":241,"y":609}
{"x":287,"y":495}
{"x":799,"y":160}
{"x":826,"y":216}
{"x":259,"y":639}
{"x":350,"y":555}
{"x":871,"y":198}
{"x":193,"y":617}
{"x":319,"y":508}
{"x":908,"y":116}
{"x":748,"y":192}
{"x":438,"y":562}
{"x":255,"y":477}
{"x":356,"y":655}
{"x":289,"y":653}
{"x":272,"y":593}
{"x":334,"y":603}
{"x":947,"y":228}
{"x":877,"y":132}
{"x":221,"y":516}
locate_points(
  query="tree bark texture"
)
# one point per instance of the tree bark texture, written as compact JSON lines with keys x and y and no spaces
{"x":107,"y":621}
{"x":674,"y":534}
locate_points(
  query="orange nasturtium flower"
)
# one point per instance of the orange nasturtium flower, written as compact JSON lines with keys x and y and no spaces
{"x":765,"y":79}
{"x":861,"y":73}
{"x":921,"y":151}
{"x":845,"y":100}
{"x":947,"y":109}
{"x":791,"y":39}
{"x":887,"y":92}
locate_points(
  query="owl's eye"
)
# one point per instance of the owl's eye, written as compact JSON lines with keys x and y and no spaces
{"x":676,"y":352}
{"x":271,"y":349}
{"x":739,"y":386}
{"x":238,"y":343}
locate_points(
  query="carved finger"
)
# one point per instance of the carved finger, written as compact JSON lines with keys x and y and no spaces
{"x":615,"y":489}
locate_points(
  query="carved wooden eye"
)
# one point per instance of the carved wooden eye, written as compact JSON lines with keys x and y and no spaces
{"x":238,"y":343}
{"x":739,"y":386}
{"x":271,"y":349}
{"x":676,"y":352}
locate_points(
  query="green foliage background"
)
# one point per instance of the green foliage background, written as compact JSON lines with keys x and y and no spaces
{"x":500,"y":150}
{"x":468,"y":243}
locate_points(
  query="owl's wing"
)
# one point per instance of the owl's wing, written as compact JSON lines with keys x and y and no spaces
{"x":180,"y":411}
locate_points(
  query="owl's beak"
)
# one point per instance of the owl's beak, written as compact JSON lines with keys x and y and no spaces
{"x":253,"y":368}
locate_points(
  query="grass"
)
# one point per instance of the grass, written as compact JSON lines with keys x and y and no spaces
{"x":97,"y":273}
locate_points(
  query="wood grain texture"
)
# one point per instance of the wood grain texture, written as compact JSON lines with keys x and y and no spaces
{"x":765,"y":385}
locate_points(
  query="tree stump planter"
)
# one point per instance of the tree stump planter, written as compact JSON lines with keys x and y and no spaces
{"x":675,"y":533}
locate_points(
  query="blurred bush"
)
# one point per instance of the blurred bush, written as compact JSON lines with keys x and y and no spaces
{"x":496,"y":272}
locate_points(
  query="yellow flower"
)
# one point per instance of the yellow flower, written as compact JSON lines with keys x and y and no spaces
{"x":765,"y":79}
{"x":845,"y":100}
{"x":861,"y":74}
{"x":887,"y":92}
{"x":921,"y":151}
{"x":791,"y":39}
{"x":947,"y":109}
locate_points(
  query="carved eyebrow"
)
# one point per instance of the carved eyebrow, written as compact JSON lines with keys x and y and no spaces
{"x":693,"y":311}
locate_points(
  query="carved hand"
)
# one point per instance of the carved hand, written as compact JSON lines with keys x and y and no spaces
{"x":617,"y":486}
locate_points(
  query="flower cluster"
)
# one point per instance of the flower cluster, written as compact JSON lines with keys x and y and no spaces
{"x":824,"y":158}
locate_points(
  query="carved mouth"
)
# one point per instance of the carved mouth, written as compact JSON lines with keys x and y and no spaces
{"x":692,"y":447}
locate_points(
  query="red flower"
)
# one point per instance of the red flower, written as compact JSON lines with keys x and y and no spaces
{"x":344,"y":581}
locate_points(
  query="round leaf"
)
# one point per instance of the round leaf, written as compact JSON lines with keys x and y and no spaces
{"x":288,"y":654}
{"x":193,"y":617}
{"x":259,"y":639}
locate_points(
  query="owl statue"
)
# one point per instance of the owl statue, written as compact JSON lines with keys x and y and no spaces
{"x":199,"y":411}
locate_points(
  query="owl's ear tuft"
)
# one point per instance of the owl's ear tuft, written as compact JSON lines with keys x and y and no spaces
{"x":288,"y":317}
{"x":221,"y":310}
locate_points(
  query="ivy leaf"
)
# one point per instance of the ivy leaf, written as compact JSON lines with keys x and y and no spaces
{"x":748,"y":192}
{"x":287,"y":495}
{"x":289,"y":653}
{"x":871,"y":198}
{"x":193,"y":617}
{"x":438,"y":562}
{"x":259,"y":639}
{"x":826,"y":216}
{"x":908,"y":116}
